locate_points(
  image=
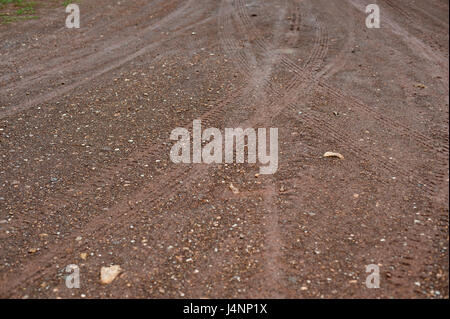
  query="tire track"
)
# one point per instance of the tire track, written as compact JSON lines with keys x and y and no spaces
{"x":53,"y":64}
{"x":343,"y":97}
{"x":186,"y":10}
{"x":102,"y":176}
{"x":306,"y":85}
{"x":229,"y":42}
{"x":411,"y":17}
{"x":107,"y":175}
{"x":429,"y":183}
{"x":436,"y":59}
{"x":272,"y":253}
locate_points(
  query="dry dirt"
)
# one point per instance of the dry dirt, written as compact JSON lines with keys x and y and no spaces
{"x":86,"y":178}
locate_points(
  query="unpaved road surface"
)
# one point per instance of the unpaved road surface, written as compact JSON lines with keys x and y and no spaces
{"x":86,"y":177}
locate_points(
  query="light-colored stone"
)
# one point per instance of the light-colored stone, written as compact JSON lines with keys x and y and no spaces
{"x":108,"y":274}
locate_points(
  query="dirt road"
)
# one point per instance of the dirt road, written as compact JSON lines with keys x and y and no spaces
{"x":86,"y":177}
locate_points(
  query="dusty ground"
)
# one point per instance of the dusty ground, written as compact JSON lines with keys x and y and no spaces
{"x":85,"y":119}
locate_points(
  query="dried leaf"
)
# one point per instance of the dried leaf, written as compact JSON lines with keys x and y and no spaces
{"x":333,"y":154}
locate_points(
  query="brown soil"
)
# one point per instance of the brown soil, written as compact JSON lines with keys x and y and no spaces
{"x":85,"y":119}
